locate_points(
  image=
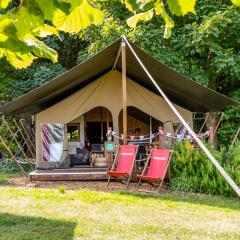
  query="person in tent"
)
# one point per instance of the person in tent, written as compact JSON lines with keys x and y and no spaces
{"x":109,"y":134}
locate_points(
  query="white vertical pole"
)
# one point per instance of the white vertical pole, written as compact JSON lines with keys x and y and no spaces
{"x":124,"y":92}
{"x":150,"y":128}
{"x":189,"y":129}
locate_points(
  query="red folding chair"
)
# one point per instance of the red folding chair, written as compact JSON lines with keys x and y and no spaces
{"x":156,"y":167}
{"x":123,"y":164}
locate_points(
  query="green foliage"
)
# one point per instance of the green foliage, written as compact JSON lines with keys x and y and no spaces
{"x":24,"y":23}
{"x":67,"y":47}
{"x":237,"y":2}
{"x":193,"y":171}
{"x":181,"y":7}
{"x":22,"y":26}
{"x":7,"y":83}
{"x":98,"y":37}
{"x":3,"y":179}
{"x":230,"y":123}
{"x":22,"y":81}
{"x":147,"y":9}
{"x":4,"y":3}
{"x":61,"y":189}
{"x":9,"y":166}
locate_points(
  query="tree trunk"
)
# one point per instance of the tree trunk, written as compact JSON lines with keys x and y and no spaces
{"x":211,"y":125}
{"x":212,"y":117}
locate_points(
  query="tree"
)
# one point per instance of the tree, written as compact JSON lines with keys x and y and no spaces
{"x":144,"y":10}
{"x":205,"y":46}
{"x":24,"y":23}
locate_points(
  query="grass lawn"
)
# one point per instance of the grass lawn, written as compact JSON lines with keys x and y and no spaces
{"x":84,"y":214}
{"x":5,"y":177}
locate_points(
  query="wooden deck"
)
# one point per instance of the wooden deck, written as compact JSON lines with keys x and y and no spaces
{"x":69,"y":174}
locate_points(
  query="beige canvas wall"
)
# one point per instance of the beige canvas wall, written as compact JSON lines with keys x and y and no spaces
{"x":106,"y":91}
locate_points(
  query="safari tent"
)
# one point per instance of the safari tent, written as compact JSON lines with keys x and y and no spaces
{"x":90,"y":97}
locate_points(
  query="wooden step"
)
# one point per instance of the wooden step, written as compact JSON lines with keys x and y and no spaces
{"x":71,"y":174}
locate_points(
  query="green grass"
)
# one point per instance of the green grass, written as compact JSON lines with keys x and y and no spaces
{"x":84,"y":214}
{"x":5,"y":177}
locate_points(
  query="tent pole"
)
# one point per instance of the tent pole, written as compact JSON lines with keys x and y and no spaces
{"x":150,"y":128}
{"x":101,"y":125}
{"x":124,"y":91}
{"x":189,"y":129}
{"x":117,"y":57}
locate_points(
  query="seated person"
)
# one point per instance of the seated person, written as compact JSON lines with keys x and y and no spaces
{"x":80,"y":156}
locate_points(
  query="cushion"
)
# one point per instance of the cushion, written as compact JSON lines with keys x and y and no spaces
{"x":73,"y":149}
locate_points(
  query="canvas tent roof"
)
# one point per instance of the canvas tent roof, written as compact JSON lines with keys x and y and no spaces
{"x":180,"y":90}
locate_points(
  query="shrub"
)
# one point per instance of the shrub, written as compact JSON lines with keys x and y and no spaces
{"x":9,"y":166}
{"x":193,"y":172}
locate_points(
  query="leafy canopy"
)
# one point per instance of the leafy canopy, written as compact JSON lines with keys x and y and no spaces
{"x":24,"y":24}
{"x":144,"y":10}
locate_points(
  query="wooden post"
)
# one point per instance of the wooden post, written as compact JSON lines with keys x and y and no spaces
{"x":26,"y":141}
{"x":32,"y":134}
{"x":17,"y":142}
{"x":124,"y":92}
{"x":150,"y":128}
{"x":235,"y":137}
{"x":206,"y":118}
{"x":101,"y":113}
{"x":107,"y":120}
{"x":218,"y":123}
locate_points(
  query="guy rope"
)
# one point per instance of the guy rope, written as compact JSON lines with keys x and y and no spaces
{"x":189,"y":129}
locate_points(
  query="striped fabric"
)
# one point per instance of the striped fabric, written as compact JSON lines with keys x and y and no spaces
{"x":52,"y":141}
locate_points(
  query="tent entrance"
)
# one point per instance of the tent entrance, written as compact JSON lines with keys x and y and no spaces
{"x":86,"y":137}
{"x":96,"y":132}
{"x":139,"y":123}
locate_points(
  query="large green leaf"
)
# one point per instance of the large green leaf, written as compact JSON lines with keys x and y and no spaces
{"x":169,"y":23}
{"x":50,"y":9}
{"x":131,"y":5}
{"x":39,"y":48}
{"x":82,"y":14}
{"x":25,"y":20}
{"x":6,"y":25}
{"x":18,"y":59}
{"x":17,"y":41}
{"x":45,"y":30}
{"x":20,"y":27}
{"x":181,"y":7}
{"x":146,"y":16}
{"x":236,"y":2}
{"x":4,"y":3}
{"x":16,"y":52}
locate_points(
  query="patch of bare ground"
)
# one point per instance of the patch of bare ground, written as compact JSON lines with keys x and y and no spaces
{"x":97,"y":185}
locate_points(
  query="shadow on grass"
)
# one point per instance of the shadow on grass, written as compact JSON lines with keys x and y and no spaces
{"x":199,"y":199}
{"x":16,"y":227}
